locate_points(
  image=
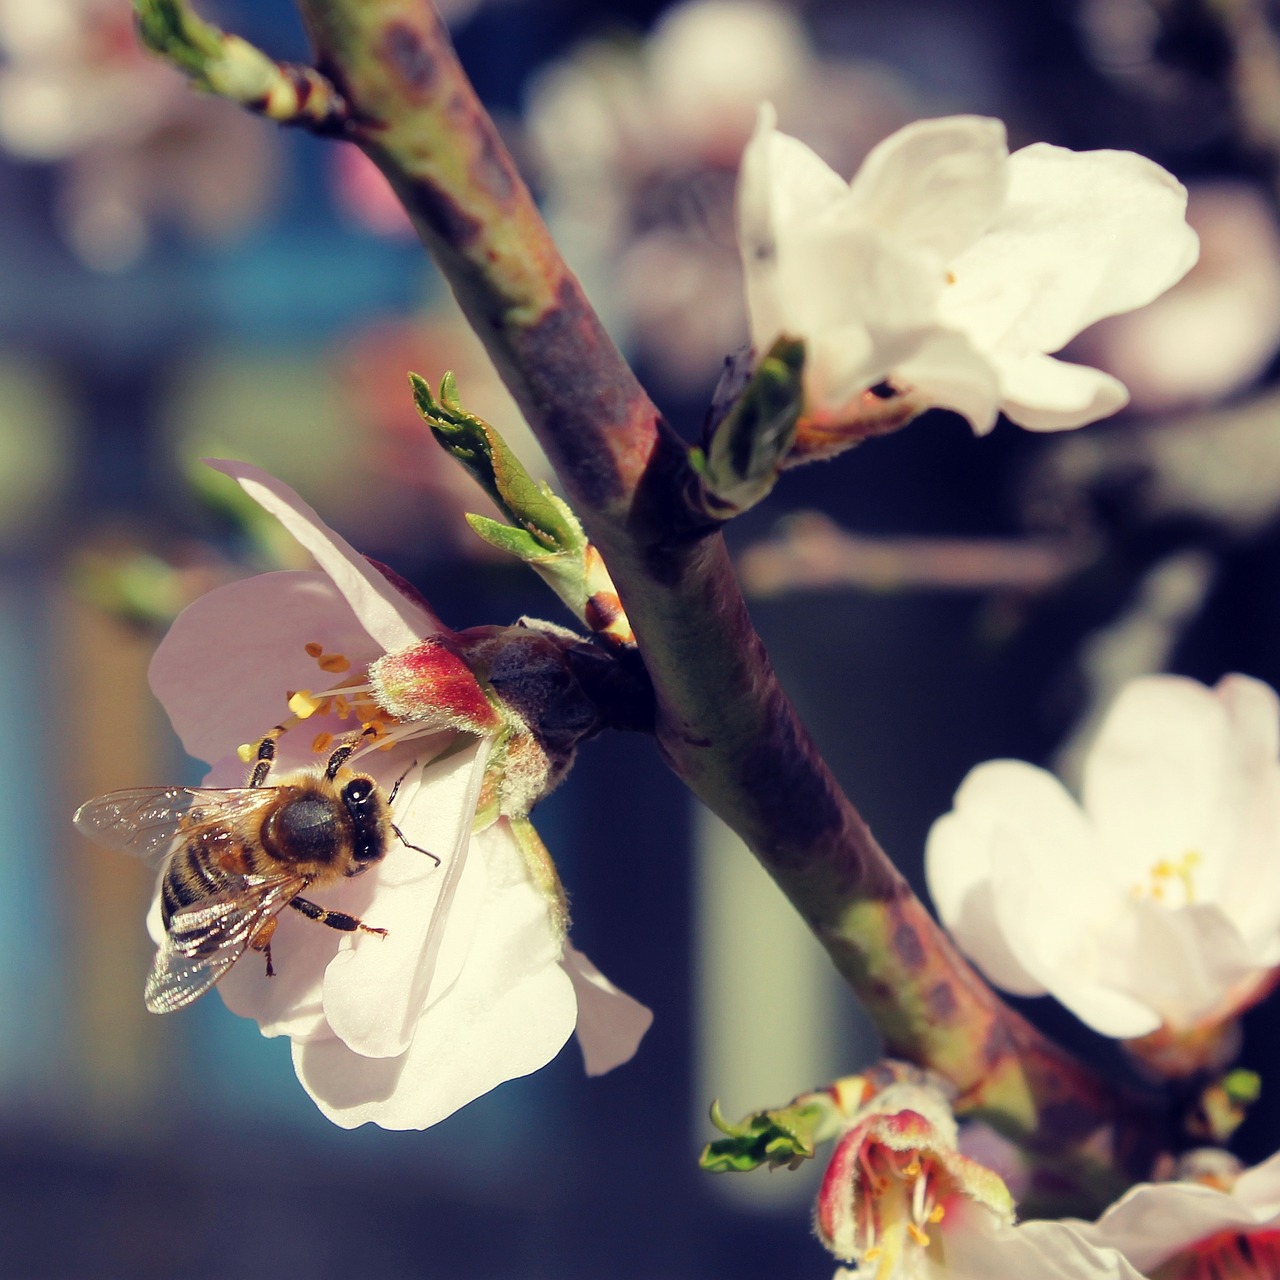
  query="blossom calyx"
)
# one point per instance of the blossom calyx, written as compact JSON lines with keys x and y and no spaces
{"x":746,"y":448}
{"x":781,"y":1136}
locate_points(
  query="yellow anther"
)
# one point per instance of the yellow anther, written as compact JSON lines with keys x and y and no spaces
{"x":335,"y":662}
{"x":913,"y":1168}
{"x":313,"y":650}
{"x":302,"y":704}
{"x":321,"y":742}
{"x":246,"y":751}
{"x":872,"y":1254}
{"x":937,"y":1213}
{"x":342,"y":707}
{"x":918,"y":1234}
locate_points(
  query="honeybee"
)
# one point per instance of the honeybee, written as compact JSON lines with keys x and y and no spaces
{"x":234,"y":859}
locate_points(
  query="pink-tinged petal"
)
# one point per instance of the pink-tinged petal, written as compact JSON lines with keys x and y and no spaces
{"x":611,"y":1023}
{"x":1041,"y":393}
{"x":947,"y":372}
{"x":376,"y":988}
{"x":1082,"y":235}
{"x":510,"y":1012}
{"x":224,"y":669}
{"x":390,"y":617}
{"x":1155,"y":1220}
{"x":935,"y":185}
{"x":978,"y":1248}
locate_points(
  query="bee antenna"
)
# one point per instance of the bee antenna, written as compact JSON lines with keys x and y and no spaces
{"x":417,"y":848}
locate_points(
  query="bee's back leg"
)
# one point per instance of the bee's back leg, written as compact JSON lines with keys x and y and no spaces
{"x":334,"y":919}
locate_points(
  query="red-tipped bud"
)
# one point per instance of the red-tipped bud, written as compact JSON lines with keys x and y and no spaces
{"x":428,"y":681}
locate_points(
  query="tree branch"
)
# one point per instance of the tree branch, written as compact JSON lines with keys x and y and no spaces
{"x":724,"y":723}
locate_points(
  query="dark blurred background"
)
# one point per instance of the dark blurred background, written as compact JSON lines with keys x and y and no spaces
{"x":178,"y":280}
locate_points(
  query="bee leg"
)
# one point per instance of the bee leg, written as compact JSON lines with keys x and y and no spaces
{"x":265,"y":759}
{"x":417,"y":848}
{"x":334,"y":919}
{"x":343,"y":753}
{"x":261,"y":941}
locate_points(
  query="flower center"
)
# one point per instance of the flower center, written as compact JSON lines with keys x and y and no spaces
{"x":349,"y":700}
{"x":899,"y":1204}
{"x":1172,"y":881}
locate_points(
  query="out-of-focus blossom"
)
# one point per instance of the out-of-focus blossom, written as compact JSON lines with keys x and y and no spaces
{"x":951,"y":270}
{"x":1216,"y":330}
{"x":890,"y":1195}
{"x":900,"y":1202}
{"x":636,"y":145}
{"x":1214,"y":1221}
{"x":136,"y":145}
{"x":474,"y":982}
{"x":1151,"y":908}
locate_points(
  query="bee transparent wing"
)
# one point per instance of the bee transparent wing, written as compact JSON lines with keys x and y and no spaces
{"x":205,"y":939}
{"x":145,"y":820}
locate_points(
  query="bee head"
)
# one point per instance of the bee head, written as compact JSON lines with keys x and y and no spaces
{"x":364,"y":802}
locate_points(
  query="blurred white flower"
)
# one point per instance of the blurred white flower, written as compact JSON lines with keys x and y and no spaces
{"x":136,"y":144}
{"x":1214,"y":1221}
{"x":1153,"y":905}
{"x":951,"y":269}
{"x":474,"y":982}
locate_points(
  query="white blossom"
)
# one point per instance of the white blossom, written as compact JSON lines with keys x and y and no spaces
{"x":950,"y":268}
{"x":1153,"y":903}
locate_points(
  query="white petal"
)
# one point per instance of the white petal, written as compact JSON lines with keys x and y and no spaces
{"x":224,"y":667}
{"x":1259,"y":1189}
{"x":1030,"y":1251}
{"x":781,"y":183}
{"x":509,"y":1013}
{"x":1010,"y":812}
{"x":611,"y":1023}
{"x":386,"y":613}
{"x":1181,"y":963}
{"x":1155,"y":773}
{"x":1042,"y":393}
{"x":375,"y":989}
{"x":1153,"y":1221}
{"x":935,"y":185}
{"x":1083,"y":235}
{"x":947,"y":372}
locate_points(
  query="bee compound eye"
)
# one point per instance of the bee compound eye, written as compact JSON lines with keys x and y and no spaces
{"x":359,"y":791}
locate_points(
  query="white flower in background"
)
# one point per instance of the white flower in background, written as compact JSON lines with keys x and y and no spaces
{"x":1153,"y":904}
{"x":474,"y":982}
{"x":1215,"y":1222}
{"x":950,"y":268}
{"x":135,"y":145}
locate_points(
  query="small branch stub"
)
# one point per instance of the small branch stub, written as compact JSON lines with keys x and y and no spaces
{"x":232,"y":68}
